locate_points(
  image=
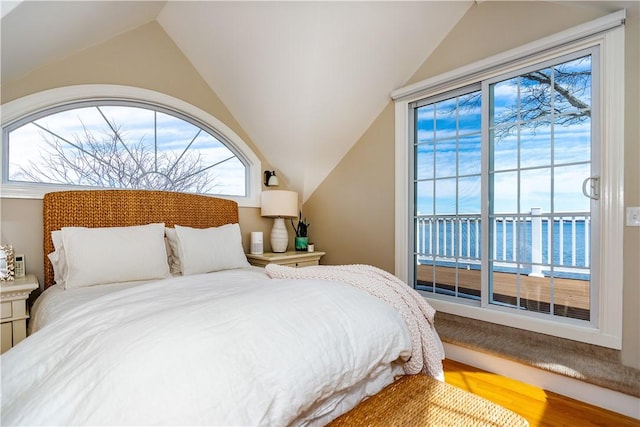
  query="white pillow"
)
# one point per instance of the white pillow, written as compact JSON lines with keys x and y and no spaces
{"x":210,"y":249}
{"x":173,"y":250}
{"x":58,"y":258}
{"x":114,"y":254}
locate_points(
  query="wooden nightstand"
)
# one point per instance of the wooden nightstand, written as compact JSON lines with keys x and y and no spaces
{"x":291,"y":259}
{"x":14,"y":312}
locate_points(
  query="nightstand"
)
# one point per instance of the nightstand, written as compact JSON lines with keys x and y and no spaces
{"x":14,"y":312}
{"x":290,"y":259}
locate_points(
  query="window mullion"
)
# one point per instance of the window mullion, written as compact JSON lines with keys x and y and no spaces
{"x":484,"y":197}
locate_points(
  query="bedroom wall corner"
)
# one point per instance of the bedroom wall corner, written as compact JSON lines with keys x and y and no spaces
{"x":144,"y":57}
{"x":352,"y":210}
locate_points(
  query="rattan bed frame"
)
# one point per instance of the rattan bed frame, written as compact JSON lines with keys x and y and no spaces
{"x":119,"y":208}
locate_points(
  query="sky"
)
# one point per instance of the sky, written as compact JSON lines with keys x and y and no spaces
{"x":541,"y":167}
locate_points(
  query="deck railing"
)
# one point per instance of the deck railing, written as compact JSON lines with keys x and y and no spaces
{"x":536,"y":239}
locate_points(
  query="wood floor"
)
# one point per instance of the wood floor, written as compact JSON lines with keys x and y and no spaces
{"x":539,"y":407}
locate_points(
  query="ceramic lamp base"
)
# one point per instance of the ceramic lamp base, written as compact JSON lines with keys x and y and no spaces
{"x":279,"y":236}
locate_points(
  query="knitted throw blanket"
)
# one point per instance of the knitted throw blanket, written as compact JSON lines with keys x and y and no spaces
{"x":427,"y":351}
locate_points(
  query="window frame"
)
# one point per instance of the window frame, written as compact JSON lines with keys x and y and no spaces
{"x":607,"y":33}
{"x":59,"y":97}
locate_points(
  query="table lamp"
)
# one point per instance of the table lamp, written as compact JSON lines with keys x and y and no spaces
{"x":279,"y":204}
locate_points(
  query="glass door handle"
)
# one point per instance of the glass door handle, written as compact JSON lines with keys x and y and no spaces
{"x":594,"y":187}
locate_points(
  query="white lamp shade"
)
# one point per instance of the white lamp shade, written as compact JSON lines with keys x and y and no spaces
{"x":279,"y":203}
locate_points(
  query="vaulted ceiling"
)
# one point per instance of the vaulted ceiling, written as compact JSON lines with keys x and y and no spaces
{"x":304,"y":79}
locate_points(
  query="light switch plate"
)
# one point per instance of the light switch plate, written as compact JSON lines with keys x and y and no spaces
{"x":633,"y":217}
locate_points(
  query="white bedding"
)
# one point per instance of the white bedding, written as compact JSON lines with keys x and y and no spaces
{"x":56,"y":301}
{"x":227,"y":348}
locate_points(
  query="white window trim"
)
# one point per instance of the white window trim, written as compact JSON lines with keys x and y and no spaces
{"x":608,"y":33}
{"x":18,"y":108}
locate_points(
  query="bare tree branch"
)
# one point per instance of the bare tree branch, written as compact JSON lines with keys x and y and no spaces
{"x":114,"y":162}
{"x":539,"y":96}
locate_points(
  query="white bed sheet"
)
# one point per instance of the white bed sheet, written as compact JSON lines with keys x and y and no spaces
{"x":228,"y":348}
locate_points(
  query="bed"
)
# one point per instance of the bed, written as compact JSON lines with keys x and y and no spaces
{"x":151,"y":315}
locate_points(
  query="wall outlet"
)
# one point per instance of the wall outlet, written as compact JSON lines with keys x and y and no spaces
{"x":633,"y":217}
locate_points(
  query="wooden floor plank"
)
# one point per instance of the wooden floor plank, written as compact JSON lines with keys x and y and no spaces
{"x":539,"y":407}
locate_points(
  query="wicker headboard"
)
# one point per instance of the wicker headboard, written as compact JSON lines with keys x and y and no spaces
{"x":119,"y":208}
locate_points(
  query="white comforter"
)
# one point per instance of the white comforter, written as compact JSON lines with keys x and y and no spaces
{"x":228,"y":348}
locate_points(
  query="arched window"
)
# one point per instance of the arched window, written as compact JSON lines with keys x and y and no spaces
{"x":144,"y":140}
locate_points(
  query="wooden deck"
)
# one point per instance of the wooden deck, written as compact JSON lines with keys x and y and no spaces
{"x":570,"y":295}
